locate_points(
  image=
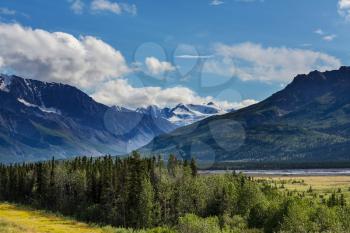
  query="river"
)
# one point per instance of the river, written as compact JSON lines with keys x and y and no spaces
{"x":285,"y":172}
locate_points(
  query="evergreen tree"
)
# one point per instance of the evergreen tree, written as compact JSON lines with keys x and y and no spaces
{"x":141,"y":193}
{"x":41,"y":185}
{"x":52,"y":188}
{"x":194,"y":167}
{"x":146,"y":204}
{"x":172,"y":163}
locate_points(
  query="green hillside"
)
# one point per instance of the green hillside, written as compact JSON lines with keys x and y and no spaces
{"x":307,"y":121}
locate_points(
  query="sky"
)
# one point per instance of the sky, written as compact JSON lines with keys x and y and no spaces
{"x":135,"y":53}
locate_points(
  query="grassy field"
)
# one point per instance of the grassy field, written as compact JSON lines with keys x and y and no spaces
{"x":309,"y":185}
{"x":16,"y":219}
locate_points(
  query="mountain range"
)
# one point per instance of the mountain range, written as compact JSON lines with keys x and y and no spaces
{"x":309,"y":120}
{"x":185,"y":114}
{"x":39,"y":120}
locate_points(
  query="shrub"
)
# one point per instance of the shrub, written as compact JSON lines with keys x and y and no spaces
{"x":193,"y":224}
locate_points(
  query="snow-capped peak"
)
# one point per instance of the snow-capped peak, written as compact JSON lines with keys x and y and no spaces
{"x":183,"y":114}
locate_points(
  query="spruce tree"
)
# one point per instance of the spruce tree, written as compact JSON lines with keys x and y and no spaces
{"x":194,"y":168}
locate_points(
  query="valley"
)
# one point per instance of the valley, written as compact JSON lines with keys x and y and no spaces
{"x":213,"y":116}
{"x":145,"y":195}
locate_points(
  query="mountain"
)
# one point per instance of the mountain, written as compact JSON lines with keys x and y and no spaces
{"x":185,"y":114}
{"x":39,"y":120}
{"x":309,"y":120}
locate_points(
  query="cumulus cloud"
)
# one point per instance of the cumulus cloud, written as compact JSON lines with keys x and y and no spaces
{"x":59,"y":56}
{"x":113,"y":7}
{"x":90,"y":64}
{"x":77,"y":6}
{"x":155,"y":67}
{"x":250,"y":61}
{"x":119,"y":92}
{"x":344,"y":8}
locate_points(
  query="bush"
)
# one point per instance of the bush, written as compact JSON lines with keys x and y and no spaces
{"x":193,"y":224}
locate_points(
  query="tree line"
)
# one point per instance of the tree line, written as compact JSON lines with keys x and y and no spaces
{"x":143,"y":193}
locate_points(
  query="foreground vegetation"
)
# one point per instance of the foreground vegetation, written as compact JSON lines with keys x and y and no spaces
{"x":148,"y":196}
{"x":320,"y":187}
{"x":17,"y":219}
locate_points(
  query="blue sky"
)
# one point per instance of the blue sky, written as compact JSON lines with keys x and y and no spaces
{"x":163,"y":52}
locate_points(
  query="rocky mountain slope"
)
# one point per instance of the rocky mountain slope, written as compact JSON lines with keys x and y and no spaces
{"x":39,"y":120}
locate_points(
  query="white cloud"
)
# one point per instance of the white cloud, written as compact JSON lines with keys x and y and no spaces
{"x":319,"y":31}
{"x":119,"y":92}
{"x":6,"y":11}
{"x":129,"y":8}
{"x":189,"y":56}
{"x":329,"y":37}
{"x":324,"y":35}
{"x":243,"y":103}
{"x":58,"y":56}
{"x":250,"y":61}
{"x":216,"y":2}
{"x":90,"y":64}
{"x":155,"y":67}
{"x":77,"y":6}
{"x":105,"y":5}
{"x":113,"y":7}
{"x":344,"y":8}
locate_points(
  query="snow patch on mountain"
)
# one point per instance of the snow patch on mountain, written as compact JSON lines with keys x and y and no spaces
{"x":41,"y":108}
{"x":184,"y":114}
